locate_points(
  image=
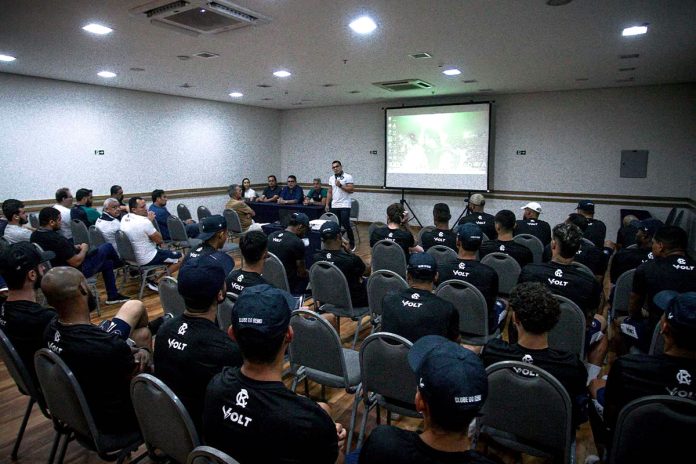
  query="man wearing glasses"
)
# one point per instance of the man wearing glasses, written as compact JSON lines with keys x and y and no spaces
{"x":338,"y":200}
{"x":292,"y":193}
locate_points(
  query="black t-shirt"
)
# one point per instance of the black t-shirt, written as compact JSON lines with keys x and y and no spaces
{"x":238,"y":280}
{"x":596,"y":232}
{"x":289,"y":248}
{"x":269,"y":192}
{"x":520,"y":253}
{"x":103,"y":365}
{"x":24,"y":323}
{"x":539,"y":229}
{"x":673,"y":272}
{"x":485,"y":221}
{"x":592,"y":257}
{"x":204,"y":249}
{"x":566,"y":367}
{"x":392,"y":444}
{"x":637,"y":375}
{"x":264,"y":422}
{"x":565,"y":280}
{"x":439,"y":237}
{"x":189,"y":351}
{"x":626,"y":236}
{"x":403,"y":238}
{"x":414,"y":313}
{"x":51,"y":240}
{"x":481,"y":276}
{"x":353,"y":268}
{"x":627,"y":259}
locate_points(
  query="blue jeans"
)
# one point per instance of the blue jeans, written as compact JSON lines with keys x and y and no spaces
{"x":102,"y":259}
{"x":343,"y":215}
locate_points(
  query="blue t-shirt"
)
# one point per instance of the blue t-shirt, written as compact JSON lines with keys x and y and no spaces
{"x":161,"y":215}
{"x":294,"y":193}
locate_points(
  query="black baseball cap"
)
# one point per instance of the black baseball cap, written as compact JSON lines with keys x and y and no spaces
{"x":300,"y":218}
{"x":211,"y":225}
{"x":200,"y":280}
{"x":263,"y":310}
{"x":451,"y":378}
{"x":329,"y":230}
{"x":650,"y":226}
{"x":470,"y":235}
{"x":422,"y":266}
{"x":679,"y":308}
{"x":586,"y":205}
{"x":22,"y":257}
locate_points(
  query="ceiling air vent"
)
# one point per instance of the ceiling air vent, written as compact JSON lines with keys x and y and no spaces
{"x":199,"y":16}
{"x":403,"y":85}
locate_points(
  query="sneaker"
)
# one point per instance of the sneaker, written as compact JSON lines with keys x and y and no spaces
{"x":152,"y":285}
{"x":116,"y":299}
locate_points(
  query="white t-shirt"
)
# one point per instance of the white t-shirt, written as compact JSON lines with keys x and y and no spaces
{"x":250,"y":193}
{"x":15,"y":234}
{"x":108,"y":230}
{"x":65,"y":229}
{"x":138,"y":229}
{"x":339,"y":197}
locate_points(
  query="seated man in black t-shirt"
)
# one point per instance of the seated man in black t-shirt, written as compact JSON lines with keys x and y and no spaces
{"x":596,"y":230}
{"x":103,"y":358}
{"x":249,"y":413}
{"x":441,"y":235}
{"x":21,"y":318}
{"x":626,"y":236}
{"x":193,"y":343}
{"x":476,"y":214}
{"x":630,"y":258}
{"x":397,"y":230}
{"x":504,"y":227}
{"x":254,"y":248}
{"x":415,"y":312}
{"x":531,"y":224}
{"x":588,"y":254}
{"x":289,"y":247}
{"x":534,"y":313}
{"x":452,"y":388}
{"x":214,"y":236}
{"x":337,"y":251}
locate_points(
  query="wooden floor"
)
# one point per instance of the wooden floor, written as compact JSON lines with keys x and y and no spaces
{"x":39,"y":434}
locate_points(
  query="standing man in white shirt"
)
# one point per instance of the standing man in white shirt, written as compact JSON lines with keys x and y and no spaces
{"x":64,"y":201}
{"x":338,"y":199}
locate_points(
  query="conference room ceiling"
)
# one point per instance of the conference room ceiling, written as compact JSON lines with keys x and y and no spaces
{"x":500,"y":46}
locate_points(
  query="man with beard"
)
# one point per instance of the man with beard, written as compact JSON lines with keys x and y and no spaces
{"x":82,"y":210}
{"x":13,"y":210}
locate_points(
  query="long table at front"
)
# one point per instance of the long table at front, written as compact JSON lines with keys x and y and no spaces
{"x":270,"y":212}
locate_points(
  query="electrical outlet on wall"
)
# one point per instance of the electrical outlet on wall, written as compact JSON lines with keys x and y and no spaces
{"x":373,"y":152}
{"x":521,"y":152}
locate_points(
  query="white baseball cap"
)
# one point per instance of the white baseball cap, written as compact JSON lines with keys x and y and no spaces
{"x":533,"y":205}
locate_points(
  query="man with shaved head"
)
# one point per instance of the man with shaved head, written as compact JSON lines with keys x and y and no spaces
{"x":103,"y":358}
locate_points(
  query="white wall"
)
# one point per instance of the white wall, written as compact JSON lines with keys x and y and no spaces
{"x":49,"y":130}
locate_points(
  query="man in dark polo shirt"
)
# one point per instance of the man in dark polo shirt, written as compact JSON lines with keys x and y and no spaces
{"x":415,"y":312}
{"x":214,"y":236}
{"x":531,"y":224}
{"x":83,"y":200}
{"x":291,"y":193}
{"x":469,"y":269}
{"x":190,"y":349}
{"x":630,"y":258}
{"x":272,"y":192}
{"x":21,"y":318}
{"x":338,"y":252}
{"x":249,"y":413}
{"x":596,"y":230}
{"x":476,"y":214}
{"x":289,"y":247}
{"x":254,"y":247}
{"x":441,"y":235}
{"x":505,"y":227}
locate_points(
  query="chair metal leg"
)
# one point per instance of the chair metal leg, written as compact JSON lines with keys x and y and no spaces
{"x":363,"y":423}
{"x":142,"y":283}
{"x":357,"y":332}
{"x":353,"y":415}
{"x":54,"y":447}
{"x":64,"y":447}
{"x":22,"y":428}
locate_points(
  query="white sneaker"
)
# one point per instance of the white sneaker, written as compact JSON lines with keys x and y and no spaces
{"x":153,"y":286}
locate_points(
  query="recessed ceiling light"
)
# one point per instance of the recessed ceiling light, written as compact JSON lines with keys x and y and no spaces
{"x":7,"y":58}
{"x":106,"y":74}
{"x":451,"y":72}
{"x":236,"y":94}
{"x":363,"y":25}
{"x":634,"y":30}
{"x":282,"y":73}
{"x":95,"y":28}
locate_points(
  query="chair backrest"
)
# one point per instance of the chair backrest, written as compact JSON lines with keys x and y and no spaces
{"x":470,"y":303}
{"x":79,"y":232}
{"x":316,"y":345}
{"x":63,"y":394}
{"x":209,"y":455}
{"x":583,"y":268}
{"x":569,"y":333}
{"x":670,"y":217}
{"x":379,"y":284}
{"x":423,"y":230}
{"x":224,"y":312}
{"x":171,"y":300}
{"x":354,"y":209}
{"x":622,"y":293}
{"x":384,"y":367}
{"x":164,"y":422}
{"x":4,"y":244}
{"x":533,"y":243}
{"x":443,"y":255}
{"x":96,"y":237}
{"x":330,"y":288}
{"x":588,"y":241}
{"x":234,"y":226}
{"x":177,"y":229}
{"x":375,"y":225}
{"x":527,"y":409}
{"x":183,"y":212}
{"x":656,"y":428}
{"x":19,"y":372}
{"x":657,"y":344}
{"x":203,"y":212}
{"x":330,"y":217}
{"x":678,"y":219}
{"x":506,"y":267}
{"x":274,"y":272}
{"x":125,"y":247}
{"x":34,"y":220}
{"x":389,"y":255}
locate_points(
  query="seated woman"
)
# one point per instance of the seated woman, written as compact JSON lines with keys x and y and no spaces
{"x":397,"y":230}
{"x":248,"y":193}
{"x":317,"y":194}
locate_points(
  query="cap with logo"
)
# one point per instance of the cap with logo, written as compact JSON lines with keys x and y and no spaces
{"x":211,"y":225}
{"x":329,"y":230}
{"x":649,"y":226}
{"x":200,"y":280}
{"x":263,"y":310}
{"x":451,"y":378}
{"x":422,"y":266}
{"x":679,"y":308}
{"x":22,"y":257}
{"x":586,"y":205}
{"x":300,"y":218}
{"x":533,"y":205}
{"x":477,"y":199}
{"x":470,"y":234}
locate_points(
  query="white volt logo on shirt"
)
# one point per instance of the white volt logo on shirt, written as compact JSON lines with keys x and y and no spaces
{"x":240,"y":278}
{"x":558,"y":273}
{"x":683,"y":377}
{"x":242,"y":398}
{"x":182,"y":329}
{"x":234,"y":416}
